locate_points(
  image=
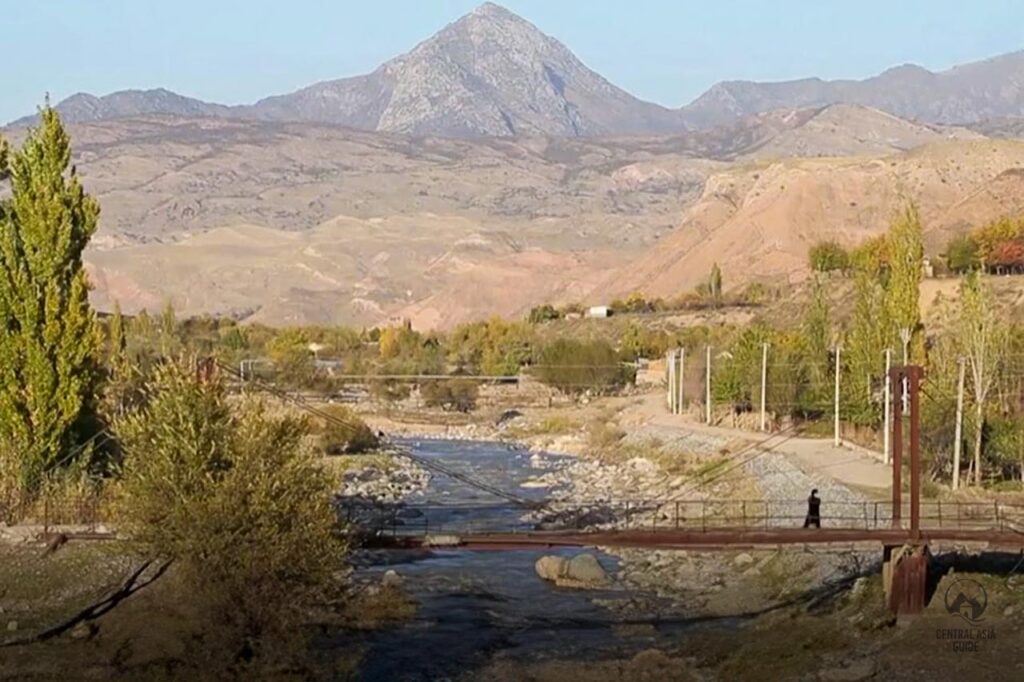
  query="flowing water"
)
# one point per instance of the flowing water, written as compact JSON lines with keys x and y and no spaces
{"x":476,"y":604}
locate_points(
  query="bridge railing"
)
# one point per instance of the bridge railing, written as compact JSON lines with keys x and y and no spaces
{"x":669,"y":515}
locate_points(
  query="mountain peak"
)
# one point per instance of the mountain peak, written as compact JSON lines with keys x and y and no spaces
{"x":489,"y":73}
{"x":492,"y":9}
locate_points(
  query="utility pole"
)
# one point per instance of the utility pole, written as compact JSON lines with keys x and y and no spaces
{"x":837,"y":440}
{"x":886,"y":436}
{"x":682,"y":373}
{"x":958,"y":439}
{"x":905,"y":335}
{"x":670,"y":368}
{"x":707,"y":385}
{"x":764,"y":384}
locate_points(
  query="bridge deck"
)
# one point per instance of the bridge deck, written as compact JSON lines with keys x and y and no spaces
{"x":718,"y":538}
{"x":682,"y":524}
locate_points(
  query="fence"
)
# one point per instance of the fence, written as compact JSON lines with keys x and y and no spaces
{"x":85,"y":511}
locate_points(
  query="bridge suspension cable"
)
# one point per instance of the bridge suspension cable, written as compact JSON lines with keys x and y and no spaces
{"x":424,"y":462}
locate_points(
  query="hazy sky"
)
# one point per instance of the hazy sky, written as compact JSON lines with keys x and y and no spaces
{"x":667,"y":51}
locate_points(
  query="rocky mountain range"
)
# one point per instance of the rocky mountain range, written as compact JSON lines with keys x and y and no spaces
{"x":492,"y":73}
{"x":488,"y":170}
{"x":992,"y":88}
{"x":305,"y":222}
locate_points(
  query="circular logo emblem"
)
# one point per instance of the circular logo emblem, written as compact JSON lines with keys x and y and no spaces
{"x":966,"y":598}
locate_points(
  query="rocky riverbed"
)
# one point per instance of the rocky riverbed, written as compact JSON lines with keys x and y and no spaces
{"x":388,"y":478}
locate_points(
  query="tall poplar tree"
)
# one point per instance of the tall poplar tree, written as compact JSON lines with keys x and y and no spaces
{"x":49,"y":339}
{"x":906,"y":258}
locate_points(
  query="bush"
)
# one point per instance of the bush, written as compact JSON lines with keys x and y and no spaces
{"x":389,"y":390}
{"x":234,"y":497}
{"x":543,"y":313}
{"x":602,"y":435}
{"x":829,"y":257}
{"x":636,"y":303}
{"x":574,"y":367}
{"x":344,"y":432}
{"x":456,"y":394}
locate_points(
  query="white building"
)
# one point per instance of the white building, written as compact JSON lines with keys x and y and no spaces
{"x":599,"y":311}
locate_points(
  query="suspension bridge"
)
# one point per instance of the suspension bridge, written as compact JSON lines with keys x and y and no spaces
{"x":903,"y":529}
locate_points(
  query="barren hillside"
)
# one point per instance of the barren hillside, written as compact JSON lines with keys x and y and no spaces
{"x":758,"y":220}
{"x":294,"y":222}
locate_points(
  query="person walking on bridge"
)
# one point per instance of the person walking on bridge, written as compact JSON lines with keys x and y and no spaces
{"x":813,"y":510}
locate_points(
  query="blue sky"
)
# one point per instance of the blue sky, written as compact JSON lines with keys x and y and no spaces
{"x":667,"y":51}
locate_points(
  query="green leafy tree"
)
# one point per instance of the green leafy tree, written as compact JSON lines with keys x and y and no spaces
{"x":492,"y":348}
{"x":51,"y":341}
{"x":906,"y":257}
{"x":459,"y":395}
{"x":293,"y":362}
{"x":991,"y":236}
{"x":737,"y":372}
{"x":575,"y":367}
{"x":123,"y":377}
{"x":710,"y":290}
{"x":864,"y":346}
{"x":168,"y":330}
{"x":984,"y":337}
{"x":817,"y":334}
{"x":962,"y":255}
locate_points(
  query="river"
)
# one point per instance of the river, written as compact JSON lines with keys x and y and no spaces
{"x":475,"y":605}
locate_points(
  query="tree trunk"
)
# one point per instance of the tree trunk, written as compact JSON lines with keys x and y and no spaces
{"x":979,"y":423}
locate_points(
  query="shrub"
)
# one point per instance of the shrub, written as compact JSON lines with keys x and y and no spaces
{"x":456,"y":394}
{"x":234,"y":496}
{"x":543,"y":313}
{"x":575,"y":367}
{"x":828,"y":256}
{"x":344,"y":432}
{"x":389,"y":390}
{"x":636,"y":303}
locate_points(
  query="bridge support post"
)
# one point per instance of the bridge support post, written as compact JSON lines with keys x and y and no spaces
{"x":905,"y":578}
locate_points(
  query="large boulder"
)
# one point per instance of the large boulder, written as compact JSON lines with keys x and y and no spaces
{"x":582,"y":570}
{"x":551,"y":567}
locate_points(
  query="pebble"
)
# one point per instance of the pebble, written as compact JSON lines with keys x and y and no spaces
{"x":12,"y":626}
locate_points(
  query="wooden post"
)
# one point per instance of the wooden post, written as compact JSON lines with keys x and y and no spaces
{"x":836,"y":439}
{"x":764,"y":385}
{"x":958,"y":438}
{"x":914,"y":383}
{"x":886,"y":436}
{"x":707,"y":385}
{"x":897,"y":449}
